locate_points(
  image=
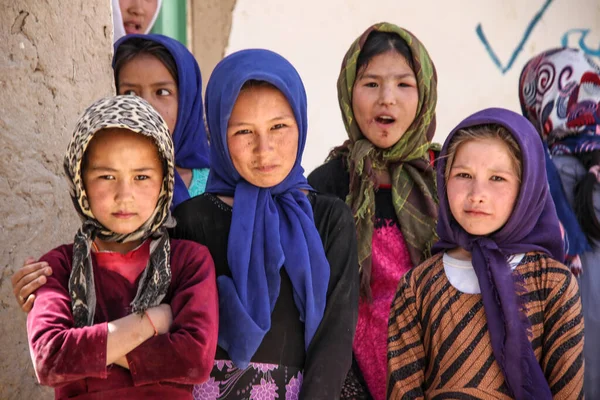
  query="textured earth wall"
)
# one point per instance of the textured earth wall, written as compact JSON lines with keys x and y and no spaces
{"x":54,"y":61}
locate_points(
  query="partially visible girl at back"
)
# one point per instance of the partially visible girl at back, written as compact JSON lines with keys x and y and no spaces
{"x":127,"y":312}
{"x":387,"y":94}
{"x":163,"y":72}
{"x":134,"y":16}
{"x":492,"y":314}
{"x":559,"y":91}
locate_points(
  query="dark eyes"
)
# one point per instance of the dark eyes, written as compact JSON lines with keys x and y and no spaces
{"x":375,"y":84}
{"x":464,"y":175}
{"x":273,"y":128}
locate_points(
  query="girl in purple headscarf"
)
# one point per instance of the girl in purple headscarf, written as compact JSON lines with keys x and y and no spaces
{"x":492,"y":314}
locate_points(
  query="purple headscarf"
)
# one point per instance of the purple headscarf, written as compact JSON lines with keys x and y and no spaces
{"x":532,"y":226}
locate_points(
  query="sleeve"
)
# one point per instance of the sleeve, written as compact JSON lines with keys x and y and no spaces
{"x":56,"y":346}
{"x":189,"y":221}
{"x":329,"y":354}
{"x":186,"y":354}
{"x":562,"y":347}
{"x":406,"y":354}
{"x":331,"y":178}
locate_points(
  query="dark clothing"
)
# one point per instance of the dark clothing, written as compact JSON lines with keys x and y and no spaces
{"x":206,"y":219}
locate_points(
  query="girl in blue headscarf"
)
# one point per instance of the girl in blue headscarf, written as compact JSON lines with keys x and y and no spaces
{"x":285,"y":256}
{"x":166,"y":74}
{"x":163,"y":72}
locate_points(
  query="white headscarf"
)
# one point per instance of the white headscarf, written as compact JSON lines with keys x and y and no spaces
{"x":119,"y":28}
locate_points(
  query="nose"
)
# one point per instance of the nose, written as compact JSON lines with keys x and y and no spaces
{"x":263,"y":143}
{"x":124,"y":191}
{"x":477,"y":192}
{"x":386,"y":95}
{"x":135,"y":7}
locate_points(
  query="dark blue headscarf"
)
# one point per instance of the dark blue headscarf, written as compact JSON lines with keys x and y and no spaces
{"x":270,"y":227}
{"x":189,"y":138}
{"x":532,"y":226}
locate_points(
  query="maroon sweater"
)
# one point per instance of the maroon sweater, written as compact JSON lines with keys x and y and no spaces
{"x":73,"y":360}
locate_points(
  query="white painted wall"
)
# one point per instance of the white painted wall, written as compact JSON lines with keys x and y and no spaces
{"x":315,"y":34}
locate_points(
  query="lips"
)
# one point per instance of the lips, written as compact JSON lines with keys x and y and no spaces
{"x":266,"y":168}
{"x":385,"y":119}
{"x":123,"y":214}
{"x":476,"y":213}
{"x":132,"y":27}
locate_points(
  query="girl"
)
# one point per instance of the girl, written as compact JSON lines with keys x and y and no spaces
{"x":492,"y":314}
{"x":134,"y":16}
{"x":141,"y":307}
{"x":285,"y":256}
{"x":559,"y":92}
{"x":387,"y":94}
{"x":163,"y":72}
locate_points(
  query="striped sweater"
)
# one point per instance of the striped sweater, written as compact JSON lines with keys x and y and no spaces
{"x":439,"y":346}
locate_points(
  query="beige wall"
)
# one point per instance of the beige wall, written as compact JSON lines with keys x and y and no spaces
{"x":210,"y":26}
{"x":315,"y":34}
{"x":54,"y":60}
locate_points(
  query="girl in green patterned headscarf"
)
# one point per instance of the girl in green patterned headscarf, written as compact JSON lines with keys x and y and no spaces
{"x":387,"y":95}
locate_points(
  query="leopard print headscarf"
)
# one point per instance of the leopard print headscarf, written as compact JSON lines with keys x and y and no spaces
{"x":136,"y":115}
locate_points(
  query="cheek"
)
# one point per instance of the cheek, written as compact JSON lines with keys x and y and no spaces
{"x":150,"y":8}
{"x":239,"y":150}
{"x":360,"y":105}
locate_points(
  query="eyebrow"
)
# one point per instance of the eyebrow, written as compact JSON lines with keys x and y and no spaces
{"x":399,"y":76}
{"x":241,"y":123}
{"x":164,"y":83}
{"x":109,"y":169}
{"x":491,"y":170}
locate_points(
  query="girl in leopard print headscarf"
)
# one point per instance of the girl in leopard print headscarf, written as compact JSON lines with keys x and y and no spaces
{"x":123,"y":280}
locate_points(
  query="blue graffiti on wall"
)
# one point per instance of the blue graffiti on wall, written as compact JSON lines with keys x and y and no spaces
{"x":503,"y":68}
{"x":534,"y":21}
{"x":582,"y":35}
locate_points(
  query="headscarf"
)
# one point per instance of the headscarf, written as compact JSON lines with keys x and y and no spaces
{"x":134,"y":114}
{"x":413,"y":180}
{"x":189,"y":138}
{"x":532,"y":226}
{"x":270,"y":227}
{"x":119,"y":28}
{"x":559,"y":91}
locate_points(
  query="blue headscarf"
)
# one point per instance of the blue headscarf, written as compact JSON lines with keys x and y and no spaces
{"x":269,"y":227}
{"x":189,"y":138}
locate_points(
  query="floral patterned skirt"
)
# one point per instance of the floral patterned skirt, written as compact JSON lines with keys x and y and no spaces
{"x":257,"y":381}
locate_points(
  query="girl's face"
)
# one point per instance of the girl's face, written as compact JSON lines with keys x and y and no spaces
{"x":147,"y":77}
{"x":123,"y":175}
{"x":137,"y":14}
{"x":483,"y":186}
{"x":262,"y":136}
{"x":385,"y":99}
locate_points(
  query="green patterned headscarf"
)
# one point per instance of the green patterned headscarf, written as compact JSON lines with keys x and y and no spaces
{"x":413,"y":179}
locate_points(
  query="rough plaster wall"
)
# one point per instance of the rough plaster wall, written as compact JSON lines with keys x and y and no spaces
{"x":211,"y":25}
{"x":54,"y":61}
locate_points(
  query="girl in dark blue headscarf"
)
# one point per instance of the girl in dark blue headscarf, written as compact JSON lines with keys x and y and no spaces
{"x":285,"y":256}
{"x":137,"y":64}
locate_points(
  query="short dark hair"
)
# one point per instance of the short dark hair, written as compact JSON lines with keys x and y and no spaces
{"x":133,"y":47}
{"x":379,"y":43}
